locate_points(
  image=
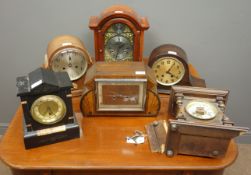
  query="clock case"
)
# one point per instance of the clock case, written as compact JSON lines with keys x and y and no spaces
{"x":117,"y":72}
{"x":118,"y":14}
{"x":38,"y":83}
{"x":63,"y":42}
{"x":170,"y":50}
{"x":183,"y":134}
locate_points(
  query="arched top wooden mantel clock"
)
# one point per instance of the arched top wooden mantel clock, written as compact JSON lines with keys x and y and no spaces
{"x":118,"y":34}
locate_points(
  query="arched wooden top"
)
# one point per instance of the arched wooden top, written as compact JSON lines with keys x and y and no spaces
{"x":118,"y":11}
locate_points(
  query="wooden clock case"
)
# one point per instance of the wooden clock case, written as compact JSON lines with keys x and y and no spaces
{"x":68,"y":41}
{"x":208,"y":138}
{"x":171,"y":50}
{"x":38,"y":83}
{"x":116,"y":73}
{"x":118,"y":14}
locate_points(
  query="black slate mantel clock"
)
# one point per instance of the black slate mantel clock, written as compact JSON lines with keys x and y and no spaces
{"x":47,"y":107}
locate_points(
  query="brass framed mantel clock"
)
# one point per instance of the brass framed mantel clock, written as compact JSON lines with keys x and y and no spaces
{"x":118,"y":34}
{"x":66,"y":53}
{"x":170,"y":65}
{"x":122,"y":89}
{"x":47,"y":107}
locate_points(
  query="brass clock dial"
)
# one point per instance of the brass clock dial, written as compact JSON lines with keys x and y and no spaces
{"x":48,"y":109}
{"x":119,"y":43}
{"x":70,"y":60}
{"x":202,"y":110}
{"x":168,"y":71}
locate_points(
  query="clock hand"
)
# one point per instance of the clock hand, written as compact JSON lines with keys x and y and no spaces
{"x":170,"y":68}
{"x":49,"y":110}
{"x":119,"y":48}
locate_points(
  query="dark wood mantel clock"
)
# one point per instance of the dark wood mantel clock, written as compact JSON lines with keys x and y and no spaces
{"x":170,"y":65}
{"x":47,"y":107}
{"x":197,"y":124}
{"x":200,"y":126}
{"x":118,"y":34}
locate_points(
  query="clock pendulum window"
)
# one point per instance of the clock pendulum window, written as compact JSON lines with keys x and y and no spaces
{"x":118,"y":34}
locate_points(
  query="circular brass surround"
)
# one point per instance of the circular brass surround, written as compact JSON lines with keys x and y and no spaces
{"x":48,"y":109}
{"x":202,"y":110}
{"x":168,"y":70}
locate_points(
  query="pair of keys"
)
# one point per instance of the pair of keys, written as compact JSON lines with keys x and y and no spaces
{"x":137,"y":138}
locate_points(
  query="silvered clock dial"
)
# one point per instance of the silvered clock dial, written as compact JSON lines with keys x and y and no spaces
{"x":119,"y":43}
{"x":71,"y":61}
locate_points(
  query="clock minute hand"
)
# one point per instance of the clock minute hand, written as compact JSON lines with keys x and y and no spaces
{"x":119,"y":48}
{"x":168,"y":71}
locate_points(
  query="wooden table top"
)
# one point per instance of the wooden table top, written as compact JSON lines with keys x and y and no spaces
{"x":102,"y":146}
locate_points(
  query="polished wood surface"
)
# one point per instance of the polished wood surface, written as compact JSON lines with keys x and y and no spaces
{"x":102,"y":150}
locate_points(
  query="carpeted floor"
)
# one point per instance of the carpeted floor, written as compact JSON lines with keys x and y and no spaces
{"x":242,"y":165}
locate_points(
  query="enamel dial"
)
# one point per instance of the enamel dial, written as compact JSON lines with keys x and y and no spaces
{"x":202,"y":110}
{"x":168,"y":71}
{"x":70,"y":60}
{"x":48,"y":109}
{"x":119,"y":43}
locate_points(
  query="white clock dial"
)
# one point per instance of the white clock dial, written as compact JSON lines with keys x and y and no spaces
{"x":201,"y":110}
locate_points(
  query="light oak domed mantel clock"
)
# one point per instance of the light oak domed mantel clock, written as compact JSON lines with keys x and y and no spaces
{"x":118,"y":34}
{"x":67,"y":53}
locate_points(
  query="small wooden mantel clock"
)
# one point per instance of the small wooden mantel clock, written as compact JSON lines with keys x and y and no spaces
{"x":201,"y":127}
{"x":197,"y":125}
{"x":118,"y":34}
{"x":170,"y":65}
{"x":120,"y":88}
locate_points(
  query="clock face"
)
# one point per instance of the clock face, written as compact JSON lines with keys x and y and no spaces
{"x":119,"y":41}
{"x":48,"y":109}
{"x":202,"y":110}
{"x":70,"y":60}
{"x":168,"y":71}
{"x":121,"y":96}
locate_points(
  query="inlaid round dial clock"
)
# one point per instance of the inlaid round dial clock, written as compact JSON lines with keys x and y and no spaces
{"x":170,"y":66}
{"x":67,"y":54}
{"x":118,"y":34}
